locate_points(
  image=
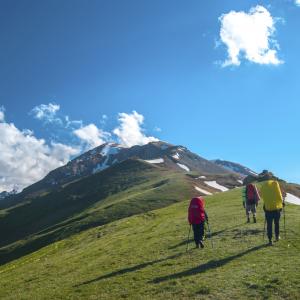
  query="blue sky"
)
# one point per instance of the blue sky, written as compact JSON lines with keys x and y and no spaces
{"x":167,"y":61}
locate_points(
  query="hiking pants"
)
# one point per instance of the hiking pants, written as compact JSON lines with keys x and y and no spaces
{"x":270,"y":217}
{"x":198,"y":232}
{"x":250,"y":208}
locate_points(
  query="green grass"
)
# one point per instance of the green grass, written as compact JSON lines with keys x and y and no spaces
{"x":144,"y":257}
{"x":129,"y":188}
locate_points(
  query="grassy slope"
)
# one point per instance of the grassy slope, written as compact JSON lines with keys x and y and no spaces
{"x":143,"y":257}
{"x":129,"y":188}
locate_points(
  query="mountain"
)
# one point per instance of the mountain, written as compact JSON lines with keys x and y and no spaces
{"x":6,"y":194}
{"x":234,"y":167}
{"x":103,"y":185}
{"x":177,"y":158}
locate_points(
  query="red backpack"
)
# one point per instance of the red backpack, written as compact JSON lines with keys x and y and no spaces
{"x":196,"y":211}
{"x":251,"y":194}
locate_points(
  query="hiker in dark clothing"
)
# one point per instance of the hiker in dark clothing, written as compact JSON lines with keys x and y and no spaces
{"x":197,"y":217}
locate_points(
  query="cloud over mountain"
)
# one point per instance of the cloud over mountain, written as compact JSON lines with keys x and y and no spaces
{"x":130,"y":132}
{"x":91,"y":136}
{"x":25,"y":159}
{"x":249,"y":36}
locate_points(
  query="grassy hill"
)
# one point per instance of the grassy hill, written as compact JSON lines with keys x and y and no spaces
{"x":129,"y":188}
{"x":144,"y":257}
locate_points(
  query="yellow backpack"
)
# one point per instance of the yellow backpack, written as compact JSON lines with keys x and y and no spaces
{"x":271,"y":194}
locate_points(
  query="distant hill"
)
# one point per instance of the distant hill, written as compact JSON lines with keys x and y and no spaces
{"x":234,"y":167}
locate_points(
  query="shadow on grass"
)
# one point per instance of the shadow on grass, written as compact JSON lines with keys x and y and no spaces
{"x":128,"y":270}
{"x":213,"y":234}
{"x":212,"y":264}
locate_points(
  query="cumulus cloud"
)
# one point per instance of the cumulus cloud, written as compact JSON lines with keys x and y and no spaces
{"x":46,"y":112}
{"x":26,"y":159}
{"x":130,"y":132}
{"x":297,"y":2}
{"x":91,"y":135}
{"x":249,"y":36}
{"x":2,"y":110}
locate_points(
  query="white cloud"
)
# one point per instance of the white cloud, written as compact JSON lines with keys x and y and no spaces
{"x":26,"y":159}
{"x":2,"y":116}
{"x":249,"y":35}
{"x":91,"y":135}
{"x":297,"y":2}
{"x":104,"y":119}
{"x":72,"y":123}
{"x":46,"y":112}
{"x":130,"y":132}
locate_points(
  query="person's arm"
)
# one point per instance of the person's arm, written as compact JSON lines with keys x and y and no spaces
{"x":257,"y":195}
{"x":244,"y":197}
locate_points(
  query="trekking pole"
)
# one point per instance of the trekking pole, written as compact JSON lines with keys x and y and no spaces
{"x":284,"y":222}
{"x":208,"y":227}
{"x":187,"y":245}
{"x":264,"y":228}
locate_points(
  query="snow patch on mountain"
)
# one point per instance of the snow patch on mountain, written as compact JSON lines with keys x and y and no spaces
{"x":235,"y":167}
{"x":184,"y":167}
{"x":240,"y":181}
{"x":292,"y":199}
{"x":155,"y":161}
{"x":202,"y":191}
{"x":201,"y":177}
{"x":217,"y":186}
{"x":176,"y":156}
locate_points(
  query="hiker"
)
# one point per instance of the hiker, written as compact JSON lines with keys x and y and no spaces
{"x":197,"y":217}
{"x":250,"y":201}
{"x":271,"y":194}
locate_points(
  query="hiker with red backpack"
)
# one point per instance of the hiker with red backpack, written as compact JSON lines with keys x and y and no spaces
{"x":197,"y":217}
{"x":250,"y":201}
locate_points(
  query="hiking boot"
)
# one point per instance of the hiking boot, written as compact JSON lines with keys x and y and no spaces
{"x":277,"y":239}
{"x":270,"y":243}
{"x":197,"y":246}
{"x":201,"y":244}
{"x":254,"y":219}
{"x":248,"y":220}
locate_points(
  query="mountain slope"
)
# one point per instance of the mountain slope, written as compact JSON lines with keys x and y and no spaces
{"x":234,"y":167}
{"x":128,"y":188}
{"x":143,"y":257}
{"x":134,"y":180}
{"x":177,"y":158}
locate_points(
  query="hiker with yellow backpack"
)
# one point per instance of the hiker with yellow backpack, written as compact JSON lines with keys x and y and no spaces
{"x":273,"y":200}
